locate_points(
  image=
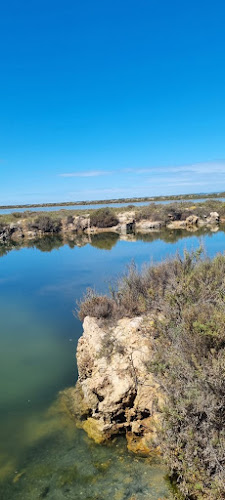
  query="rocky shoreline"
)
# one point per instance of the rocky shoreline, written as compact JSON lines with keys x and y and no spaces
{"x":127,"y":222}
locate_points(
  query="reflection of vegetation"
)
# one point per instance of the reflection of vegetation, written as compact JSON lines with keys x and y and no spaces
{"x":104,"y":241}
{"x":8,"y":246}
{"x":46,"y":243}
{"x":174,"y":235}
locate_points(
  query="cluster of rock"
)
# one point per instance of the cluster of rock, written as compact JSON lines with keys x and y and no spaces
{"x":10,"y":231}
{"x":193,"y":220}
{"x":116,"y":391}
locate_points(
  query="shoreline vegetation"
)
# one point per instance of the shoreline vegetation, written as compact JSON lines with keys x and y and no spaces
{"x":152,"y":199}
{"x":159,"y":337}
{"x":121,"y":220}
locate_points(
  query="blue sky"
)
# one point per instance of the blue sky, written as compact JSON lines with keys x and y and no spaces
{"x":111,"y":98}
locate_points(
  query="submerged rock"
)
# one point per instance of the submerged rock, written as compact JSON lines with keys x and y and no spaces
{"x":115,"y":386}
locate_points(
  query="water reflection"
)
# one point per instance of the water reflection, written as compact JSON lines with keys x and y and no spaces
{"x":106,"y":240}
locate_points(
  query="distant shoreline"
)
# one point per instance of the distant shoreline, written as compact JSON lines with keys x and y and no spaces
{"x":152,"y":199}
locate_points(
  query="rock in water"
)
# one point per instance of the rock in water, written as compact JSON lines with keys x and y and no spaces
{"x":117,"y":388}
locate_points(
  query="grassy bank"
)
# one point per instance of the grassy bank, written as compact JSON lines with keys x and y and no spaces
{"x":188,"y":298}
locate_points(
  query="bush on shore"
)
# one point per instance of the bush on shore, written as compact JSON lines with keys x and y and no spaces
{"x":103,"y":217}
{"x":46,"y":224}
{"x":97,"y":306}
{"x":188,"y":298}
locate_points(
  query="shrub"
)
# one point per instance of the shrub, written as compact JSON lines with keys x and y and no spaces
{"x":69,"y":219}
{"x":103,"y":217}
{"x":97,"y":306}
{"x":18,"y":215}
{"x":46,"y":224}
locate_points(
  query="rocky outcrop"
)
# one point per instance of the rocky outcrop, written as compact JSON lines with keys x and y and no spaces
{"x":213,"y":218}
{"x":126,"y":222}
{"x":116,"y":391}
{"x":194,"y":221}
{"x":9,"y":231}
{"x":76,"y":224}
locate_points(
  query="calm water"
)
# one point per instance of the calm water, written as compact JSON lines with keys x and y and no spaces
{"x":42,"y":455}
{"x":95,"y":206}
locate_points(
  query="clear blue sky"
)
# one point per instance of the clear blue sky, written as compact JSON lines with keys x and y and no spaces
{"x":111,"y":98}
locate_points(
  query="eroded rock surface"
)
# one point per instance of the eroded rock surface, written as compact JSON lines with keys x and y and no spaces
{"x":119,"y":393}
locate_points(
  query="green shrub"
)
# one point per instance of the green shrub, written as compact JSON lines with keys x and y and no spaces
{"x":17,"y":215}
{"x":103,"y":217}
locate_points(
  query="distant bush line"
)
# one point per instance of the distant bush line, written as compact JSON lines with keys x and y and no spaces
{"x":119,"y":200}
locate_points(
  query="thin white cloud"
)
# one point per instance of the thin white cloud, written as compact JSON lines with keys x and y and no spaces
{"x":87,"y":173}
{"x":217,"y":166}
{"x":117,"y":191}
{"x":201,"y":168}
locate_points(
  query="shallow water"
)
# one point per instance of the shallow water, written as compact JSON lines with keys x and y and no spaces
{"x":62,"y":462}
{"x":100,"y":205}
{"x":42,"y":455}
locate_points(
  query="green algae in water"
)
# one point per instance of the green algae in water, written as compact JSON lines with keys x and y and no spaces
{"x":66,"y":464}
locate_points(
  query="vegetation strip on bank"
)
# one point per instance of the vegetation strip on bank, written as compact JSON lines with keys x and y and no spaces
{"x":175,"y":215}
{"x":187,"y":297}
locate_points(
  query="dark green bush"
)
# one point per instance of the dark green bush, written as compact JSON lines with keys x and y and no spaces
{"x":103,"y":217}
